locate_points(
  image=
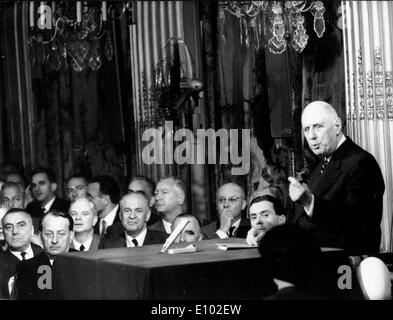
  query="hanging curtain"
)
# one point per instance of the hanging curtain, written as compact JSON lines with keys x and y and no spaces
{"x":154,"y":23}
{"x":369,"y":90}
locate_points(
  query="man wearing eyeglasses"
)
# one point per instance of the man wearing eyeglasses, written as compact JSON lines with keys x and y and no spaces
{"x":134,"y":214}
{"x":230,"y":204}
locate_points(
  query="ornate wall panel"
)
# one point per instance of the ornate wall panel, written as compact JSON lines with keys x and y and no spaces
{"x":369,"y":90}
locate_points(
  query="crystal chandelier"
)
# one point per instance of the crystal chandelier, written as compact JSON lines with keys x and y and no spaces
{"x":274,"y":24}
{"x":71,"y":34}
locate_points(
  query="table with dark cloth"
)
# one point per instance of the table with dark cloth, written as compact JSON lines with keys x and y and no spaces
{"x":145,"y":273}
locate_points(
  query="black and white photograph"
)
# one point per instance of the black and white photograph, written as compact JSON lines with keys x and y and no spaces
{"x":196,"y":155}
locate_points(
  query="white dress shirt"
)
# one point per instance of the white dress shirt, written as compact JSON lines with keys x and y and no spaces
{"x":140,"y":238}
{"x":29,"y":253}
{"x":223,"y":235}
{"x":86,"y":244}
{"x":110,"y":217}
{"x":49,"y":204}
{"x":167,"y":226}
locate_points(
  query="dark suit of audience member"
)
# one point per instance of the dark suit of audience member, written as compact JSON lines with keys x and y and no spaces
{"x":230,"y":202}
{"x":108,"y":229}
{"x":8,"y":265}
{"x":35,"y":209}
{"x":209,"y":231}
{"x":157,"y":226}
{"x":346,"y":188}
{"x":95,"y":243}
{"x":152,"y":237}
{"x":292,"y":257}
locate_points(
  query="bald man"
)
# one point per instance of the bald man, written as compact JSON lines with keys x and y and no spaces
{"x":134,"y":214}
{"x":230,"y":202}
{"x":342,"y":202}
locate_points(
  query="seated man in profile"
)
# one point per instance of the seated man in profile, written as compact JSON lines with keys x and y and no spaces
{"x":84,"y":213}
{"x":191,"y":232}
{"x":230,"y":204}
{"x":265,"y":213}
{"x":34,"y":277}
{"x":134,"y":214}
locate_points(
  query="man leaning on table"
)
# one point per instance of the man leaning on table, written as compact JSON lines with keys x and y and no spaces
{"x":134,"y":214}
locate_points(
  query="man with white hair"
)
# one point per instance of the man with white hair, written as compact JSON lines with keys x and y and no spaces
{"x":84,"y":213}
{"x":169,"y":198}
{"x":342,"y":202}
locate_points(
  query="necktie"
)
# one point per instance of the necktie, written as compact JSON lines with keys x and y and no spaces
{"x":324,"y":164}
{"x":23,"y":255}
{"x":82,"y":248}
{"x":135,"y":242}
{"x":103,"y":228}
{"x":231,"y":231}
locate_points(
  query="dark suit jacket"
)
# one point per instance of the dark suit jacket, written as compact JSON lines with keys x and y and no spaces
{"x":34,"y":208}
{"x":348,"y":201}
{"x":209,"y":231}
{"x":152,"y":237}
{"x":157,"y":226}
{"x":117,"y":219}
{"x":8,"y":264}
{"x":94,"y":244}
{"x":28,"y":278}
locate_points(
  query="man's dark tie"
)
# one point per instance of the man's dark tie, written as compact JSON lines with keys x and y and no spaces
{"x":324,"y":164}
{"x":82,"y":248}
{"x":231,"y":231}
{"x":23,"y":254}
{"x":135,"y":242}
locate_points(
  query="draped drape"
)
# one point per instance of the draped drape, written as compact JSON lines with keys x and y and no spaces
{"x":369,"y":90}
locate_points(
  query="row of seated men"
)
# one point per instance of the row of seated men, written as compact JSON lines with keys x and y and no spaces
{"x":341,"y":204}
{"x":87,"y":225}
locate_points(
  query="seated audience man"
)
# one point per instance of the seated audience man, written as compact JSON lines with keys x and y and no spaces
{"x":84,"y":213}
{"x":342,"y":202}
{"x":292,"y":257}
{"x":265,"y":212}
{"x":43,"y":188}
{"x":104,"y":191}
{"x":20,"y":179}
{"x":33,"y":276}
{"x":18,"y":231}
{"x":134,"y":214}
{"x":142,"y":184}
{"x":230,"y":203}
{"x":76,"y":187}
{"x":191,"y":232}
{"x":12,"y":196}
{"x":169,"y":197}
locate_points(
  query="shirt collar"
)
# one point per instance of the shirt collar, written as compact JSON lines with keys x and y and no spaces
{"x":140,"y":238}
{"x":49,"y":204}
{"x":110,"y":217}
{"x":342,"y":140}
{"x":236,"y":224}
{"x":167,"y":226}
{"x":86,"y":244}
{"x":29,"y":253}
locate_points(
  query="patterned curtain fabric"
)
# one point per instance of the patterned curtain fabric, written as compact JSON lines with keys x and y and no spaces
{"x":369,"y":90}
